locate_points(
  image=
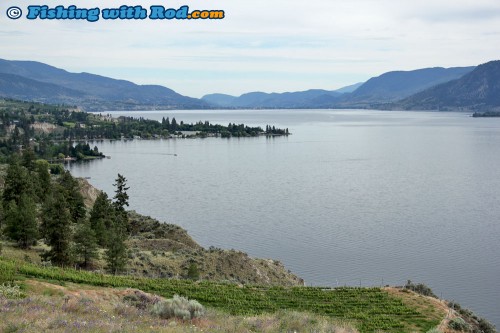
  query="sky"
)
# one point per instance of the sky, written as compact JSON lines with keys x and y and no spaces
{"x":269,"y":46}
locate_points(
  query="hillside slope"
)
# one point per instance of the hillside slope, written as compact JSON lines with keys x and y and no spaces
{"x":73,"y":307}
{"x":160,"y":249}
{"x":87,"y":90}
{"x":477,"y":90}
{"x":393,"y":86}
{"x":367,"y":309}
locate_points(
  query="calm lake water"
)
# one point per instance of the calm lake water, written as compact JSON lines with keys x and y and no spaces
{"x":351,"y":198}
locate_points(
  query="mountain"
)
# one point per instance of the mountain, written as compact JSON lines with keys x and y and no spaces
{"x":349,"y":89}
{"x":314,"y":98}
{"x":49,"y":84}
{"x":477,"y":90}
{"x":377,"y":92}
{"x":222,"y":100}
{"x":396,"y":85}
{"x":18,"y":87}
{"x":428,"y":88}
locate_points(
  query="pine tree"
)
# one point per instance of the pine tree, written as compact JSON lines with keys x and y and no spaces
{"x":85,"y":244}
{"x":2,"y":215}
{"x":101,"y":218}
{"x":116,"y":251}
{"x":17,"y":182}
{"x":28,"y":228}
{"x":28,"y":159}
{"x":72,"y":196}
{"x":43,"y":175}
{"x":56,"y":227}
{"x":21,"y":224}
{"x":121,"y":196}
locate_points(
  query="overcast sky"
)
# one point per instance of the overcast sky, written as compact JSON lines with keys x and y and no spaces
{"x":261,"y":45}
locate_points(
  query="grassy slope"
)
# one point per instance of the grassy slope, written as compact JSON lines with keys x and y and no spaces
{"x":369,"y":309}
{"x":69,"y":307}
{"x":166,"y":250}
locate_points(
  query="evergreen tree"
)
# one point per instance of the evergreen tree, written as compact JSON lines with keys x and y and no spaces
{"x":116,"y":251}
{"x":101,"y":218}
{"x":73,"y":197}
{"x":121,"y":196}
{"x":43,"y":175}
{"x":21,"y":224}
{"x":28,"y":159}
{"x":56,"y":227}
{"x":17,"y":182}
{"x":2,"y":215}
{"x":85,"y":244}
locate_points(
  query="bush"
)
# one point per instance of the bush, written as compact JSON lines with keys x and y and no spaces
{"x":420,"y":288}
{"x":485,"y":326}
{"x":434,"y":330}
{"x":458,"y":324}
{"x":479,"y":325}
{"x":56,"y":169}
{"x":7,"y":272}
{"x":178,"y":307}
{"x":11,"y":291}
{"x":140,"y":300}
{"x":193,"y":272}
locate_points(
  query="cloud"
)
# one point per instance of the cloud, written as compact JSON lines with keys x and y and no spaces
{"x":302,"y":44}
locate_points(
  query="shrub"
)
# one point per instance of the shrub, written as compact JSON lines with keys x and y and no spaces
{"x":11,"y":291}
{"x":12,"y":328}
{"x":6,"y":274}
{"x":7,"y":271}
{"x":178,"y":307}
{"x":193,"y":272}
{"x":458,"y":324}
{"x":140,"y":300}
{"x":479,"y":325}
{"x":420,"y":288}
{"x":57,"y":169}
{"x":485,"y":326}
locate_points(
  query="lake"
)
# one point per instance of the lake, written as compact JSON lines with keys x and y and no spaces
{"x":350,"y":198}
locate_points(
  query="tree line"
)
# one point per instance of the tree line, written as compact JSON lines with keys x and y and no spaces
{"x":36,"y":207}
{"x":19,"y":120}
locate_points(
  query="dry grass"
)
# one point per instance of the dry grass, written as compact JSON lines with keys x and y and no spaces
{"x":70,"y":308}
{"x":433,"y":308}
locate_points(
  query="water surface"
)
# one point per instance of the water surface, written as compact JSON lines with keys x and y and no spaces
{"x":351,"y":198}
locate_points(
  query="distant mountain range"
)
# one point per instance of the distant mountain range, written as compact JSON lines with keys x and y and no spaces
{"x":314,"y":98}
{"x":457,"y":88}
{"x":478,"y":90}
{"x":375,"y":93}
{"x":394,"y":86}
{"x":29,"y":80}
